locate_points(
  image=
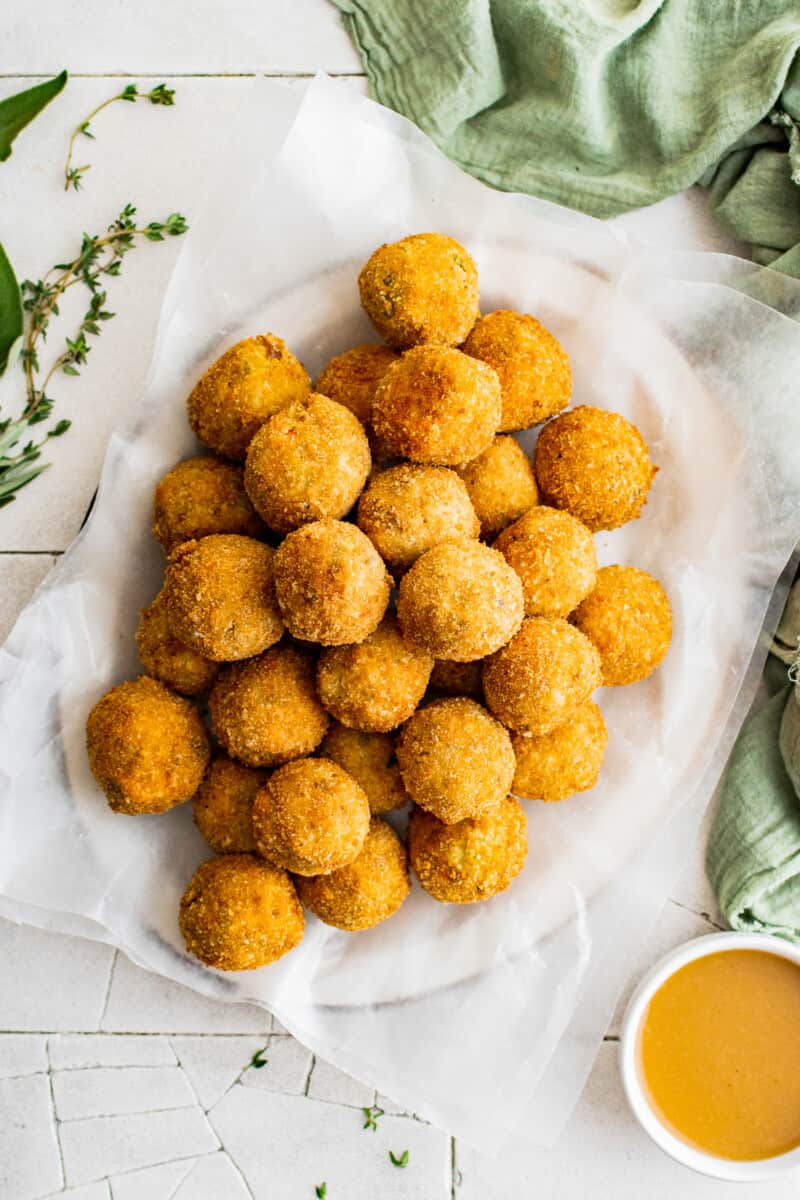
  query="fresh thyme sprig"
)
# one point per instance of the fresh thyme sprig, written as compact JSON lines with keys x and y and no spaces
{"x":100,"y":255}
{"x":161,"y":94}
{"x":399,"y":1160}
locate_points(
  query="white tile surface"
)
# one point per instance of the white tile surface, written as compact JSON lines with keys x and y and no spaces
{"x":328,"y":1083}
{"x":20,"y":575}
{"x":22,"y":1054}
{"x":68,"y":1051}
{"x":32,"y":962}
{"x":29,"y":1160}
{"x":104,"y":1146}
{"x":212,"y":1065}
{"x":140,"y":1002}
{"x":213,"y":1177}
{"x":151,"y":1182}
{"x":92,"y":1191}
{"x":310,"y":1143}
{"x":210,"y":36}
{"x":287,"y":1070}
{"x":112,"y":1091}
{"x":603,"y":1154}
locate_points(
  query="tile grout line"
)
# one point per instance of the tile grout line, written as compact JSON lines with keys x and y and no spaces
{"x":287,"y":74}
{"x":453,"y":1169}
{"x":311,"y":1066}
{"x":56,"y":1120}
{"x":139,"y":1112}
{"x":703,"y":915}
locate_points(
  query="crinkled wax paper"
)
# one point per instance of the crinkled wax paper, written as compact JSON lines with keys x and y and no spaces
{"x":484,"y":1019}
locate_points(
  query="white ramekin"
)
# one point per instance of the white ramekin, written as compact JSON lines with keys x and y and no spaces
{"x":698,"y":1160}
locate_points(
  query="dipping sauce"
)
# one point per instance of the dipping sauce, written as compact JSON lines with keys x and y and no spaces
{"x":719,"y":1054}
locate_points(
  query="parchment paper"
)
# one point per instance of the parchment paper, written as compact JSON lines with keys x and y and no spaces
{"x":484,"y":1019}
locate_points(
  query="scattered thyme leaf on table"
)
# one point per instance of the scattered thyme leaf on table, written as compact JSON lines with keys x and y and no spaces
{"x":161,"y":94}
{"x":371,"y":1116}
{"x":100,"y":256}
{"x":321,"y":1190}
{"x":258,"y":1060}
{"x":402,"y":1161}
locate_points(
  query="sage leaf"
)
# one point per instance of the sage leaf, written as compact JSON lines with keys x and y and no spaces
{"x":16,"y":111}
{"x":10,"y":313}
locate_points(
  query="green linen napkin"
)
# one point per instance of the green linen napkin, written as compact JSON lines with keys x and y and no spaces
{"x":753,"y":857}
{"x":605,"y":105}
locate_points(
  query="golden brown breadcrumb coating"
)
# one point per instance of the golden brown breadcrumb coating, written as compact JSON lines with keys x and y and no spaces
{"x":220,"y":598}
{"x":407,"y":509}
{"x":566,"y":760}
{"x":455,"y":759}
{"x":594,"y":464}
{"x":147,"y":747}
{"x":460,"y":601}
{"x":223,"y":805}
{"x":458,"y":679}
{"x":201,"y":496}
{"x":555,"y":557}
{"x":471,"y":860}
{"x":438,"y":406}
{"x":308,"y":462}
{"x":265,"y":711}
{"x":351,"y":378}
{"x":167,"y":659}
{"x":239,"y":913}
{"x":311,"y":817}
{"x":331,"y":584}
{"x":368,"y":890}
{"x":376,"y":684}
{"x":501,"y":485}
{"x":371,"y":759}
{"x":542,"y":675}
{"x":421,"y":290}
{"x":535,"y":375}
{"x":241,"y":390}
{"x":629,"y":619}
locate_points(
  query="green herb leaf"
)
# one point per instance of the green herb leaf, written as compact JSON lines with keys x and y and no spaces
{"x":161,"y":95}
{"x":18,"y":110}
{"x":258,"y":1060}
{"x":10,"y":312}
{"x":402,"y":1161}
{"x":321,"y":1190}
{"x":371,"y":1116}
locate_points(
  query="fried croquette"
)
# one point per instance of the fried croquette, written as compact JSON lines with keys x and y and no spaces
{"x":308,"y":462}
{"x":407,"y":509}
{"x":555,"y":557}
{"x":542,"y":675}
{"x":422,"y":290}
{"x":331,"y":584}
{"x":147,"y":747}
{"x":167,"y":659}
{"x":351,"y":378}
{"x":311,"y":817}
{"x":239,"y":913}
{"x":629,"y":620}
{"x":566,"y":760}
{"x":501,"y":485}
{"x":438,"y":406}
{"x":366,"y":891}
{"x":455,"y":759}
{"x":201,"y":496}
{"x":241,"y":390}
{"x":460,"y":601}
{"x":220,"y":598}
{"x":265,"y":711}
{"x":457,"y":679}
{"x":223,"y":805}
{"x":376,"y":684}
{"x":535,"y":375}
{"x":471,"y":860}
{"x":595,"y":465}
{"x":371,"y":759}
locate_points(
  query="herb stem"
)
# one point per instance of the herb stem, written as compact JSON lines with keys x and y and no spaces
{"x":160,"y":94}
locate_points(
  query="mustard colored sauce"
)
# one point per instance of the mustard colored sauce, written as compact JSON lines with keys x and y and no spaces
{"x":719,"y":1054}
